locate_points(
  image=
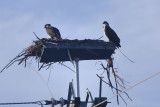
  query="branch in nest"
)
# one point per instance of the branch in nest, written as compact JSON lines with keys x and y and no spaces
{"x":14,"y":60}
{"x":40,"y":40}
{"x":33,"y":50}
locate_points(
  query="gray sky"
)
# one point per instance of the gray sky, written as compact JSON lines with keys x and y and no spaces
{"x":136,"y":23}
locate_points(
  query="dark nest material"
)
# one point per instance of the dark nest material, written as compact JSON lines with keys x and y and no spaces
{"x":32,"y":51}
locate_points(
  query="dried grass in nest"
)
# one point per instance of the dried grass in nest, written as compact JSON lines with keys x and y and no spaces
{"x":32,"y":51}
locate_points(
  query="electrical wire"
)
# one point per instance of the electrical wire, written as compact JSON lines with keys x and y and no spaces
{"x":36,"y":102}
{"x":29,"y":66}
{"x":127,"y":89}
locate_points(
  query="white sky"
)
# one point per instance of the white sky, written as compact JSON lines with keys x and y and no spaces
{"x":136,"y":23}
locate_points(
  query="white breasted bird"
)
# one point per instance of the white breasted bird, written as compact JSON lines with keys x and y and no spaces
{"x":111,"y":34}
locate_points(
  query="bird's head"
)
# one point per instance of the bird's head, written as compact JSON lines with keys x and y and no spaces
{"x":47,"y":26}
{"x":106,"y":23}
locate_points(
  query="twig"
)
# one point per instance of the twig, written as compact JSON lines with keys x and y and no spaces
{"x":123,"y":99}
{"x":49,"y":76}
{"x":67,"y":67}
{"x":117,"y":89}
{"x":108,"y":74}
{"x":126,"y":56}
{"x":110,"y":64}
{"x":41,"y":67}
{"x":12,"y":61}
{"x":40,"y":40}
{"x":49,"y":65}
{"x":69,"y":55}
{"x":37,"y":36}
{"x":100,"y":38}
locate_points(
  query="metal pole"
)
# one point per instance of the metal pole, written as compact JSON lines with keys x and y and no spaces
{"x":100,"y":87}
{"x":77,"y":77}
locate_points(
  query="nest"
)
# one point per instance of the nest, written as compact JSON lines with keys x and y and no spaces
{"x":35,"y":50}
{"x":32,"y":51}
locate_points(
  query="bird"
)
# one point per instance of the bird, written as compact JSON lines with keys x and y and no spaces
{"x":111,"y":34}
{"x":53,"y":32}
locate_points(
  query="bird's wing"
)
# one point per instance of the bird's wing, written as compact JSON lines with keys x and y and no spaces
{"x":112,"y":35}
{"x":57,"y":33}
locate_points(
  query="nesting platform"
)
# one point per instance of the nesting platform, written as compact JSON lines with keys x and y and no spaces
{"x":67,"y":50}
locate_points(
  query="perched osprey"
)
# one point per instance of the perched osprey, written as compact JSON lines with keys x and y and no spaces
{"x":111,"y":34}
{"x":53,"y":32}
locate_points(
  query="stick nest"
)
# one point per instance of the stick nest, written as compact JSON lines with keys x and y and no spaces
{"x":32,"y":51}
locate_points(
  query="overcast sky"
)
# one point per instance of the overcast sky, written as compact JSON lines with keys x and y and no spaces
{"x":136,"y":22}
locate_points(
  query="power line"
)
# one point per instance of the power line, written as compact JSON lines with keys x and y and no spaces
{"x":32,"y":68}
{"x":18,"y":103}
{"x":46,"y":102}
{"x":128,"y":89}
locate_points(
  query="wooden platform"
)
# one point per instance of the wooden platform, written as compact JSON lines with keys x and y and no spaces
{"x":66,"y":50}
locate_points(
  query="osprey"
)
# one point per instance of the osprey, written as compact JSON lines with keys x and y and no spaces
{"x":111,"y":34}
{"x":53,"y":32}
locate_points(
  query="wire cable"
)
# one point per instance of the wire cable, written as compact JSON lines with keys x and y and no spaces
{"x":36,"y":102}
{"x":127,"y":89}
{"x":29,"y":66}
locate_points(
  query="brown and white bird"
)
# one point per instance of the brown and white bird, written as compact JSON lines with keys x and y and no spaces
{"x":111,"y":34}
{"x":53,"y":32}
